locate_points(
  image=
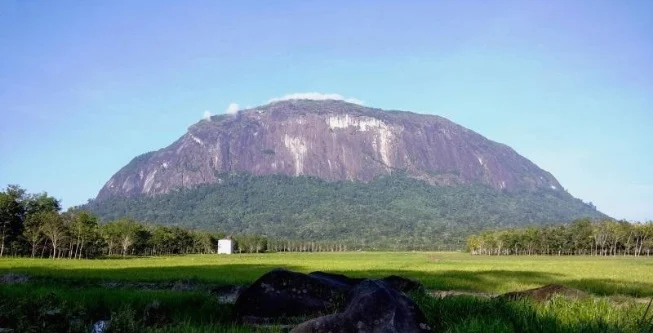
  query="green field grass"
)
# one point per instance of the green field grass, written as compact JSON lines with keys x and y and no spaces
{"x":443,"y":271}
{"x":73,"y":285}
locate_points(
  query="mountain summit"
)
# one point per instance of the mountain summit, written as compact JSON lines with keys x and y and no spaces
{"x":331,"y":140}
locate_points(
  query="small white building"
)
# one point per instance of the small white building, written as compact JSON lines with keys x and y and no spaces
{"x":225,"y":246}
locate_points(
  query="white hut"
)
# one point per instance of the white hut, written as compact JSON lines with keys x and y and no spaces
{"x":225,"y":246}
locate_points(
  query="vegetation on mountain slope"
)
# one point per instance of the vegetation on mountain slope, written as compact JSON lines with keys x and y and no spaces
{"x":389,"y":212}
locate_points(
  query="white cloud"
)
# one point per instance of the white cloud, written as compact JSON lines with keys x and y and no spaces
{"x":207,"y":115}
{"x":316,"y":96}
{"x":232,"y":108}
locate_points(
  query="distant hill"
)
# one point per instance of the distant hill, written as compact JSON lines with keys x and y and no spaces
{"x":331,"y":170}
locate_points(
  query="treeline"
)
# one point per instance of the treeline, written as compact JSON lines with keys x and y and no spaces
{"x":33,"y":225}
{"x":581,"y":237}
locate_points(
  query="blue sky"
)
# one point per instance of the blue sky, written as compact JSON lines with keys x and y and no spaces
{"x":85,"y":86}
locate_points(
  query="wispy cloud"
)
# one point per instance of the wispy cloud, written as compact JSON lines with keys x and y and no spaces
{"x":207,"y":115}
{"x":232,"y":108}
{"x":317,"y":97}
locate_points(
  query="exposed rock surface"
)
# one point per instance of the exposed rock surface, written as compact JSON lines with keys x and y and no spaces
{"x":332,"y":140}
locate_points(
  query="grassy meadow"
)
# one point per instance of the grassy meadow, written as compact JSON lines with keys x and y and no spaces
{"x":76,"y":289}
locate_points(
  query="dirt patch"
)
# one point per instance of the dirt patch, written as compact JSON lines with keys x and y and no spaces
{"x":173,"y":285}
{"x":453,"y":293}
{"x":545,"y":293}
{"x":13,"y":278}
{"x":434,"y":259}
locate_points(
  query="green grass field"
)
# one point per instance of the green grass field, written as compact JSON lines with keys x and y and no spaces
{"x":76,"y":286}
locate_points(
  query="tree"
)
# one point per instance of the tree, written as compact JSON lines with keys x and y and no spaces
{"x":33,"y":231}
{"x":643,"y":237}
{"x":54,"y":230}
{"x":127,"y":233}
{"x":84,"y":228}
{"x":111,"y":234}
{"x":38,"y":208}
{"x":161,"y":239}
{"x":11,"y":215}
{"x":581,"y":235}
{"x":41,"y":202}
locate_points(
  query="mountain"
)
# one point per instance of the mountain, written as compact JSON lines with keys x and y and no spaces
{"x":334,"y":170}
{"x":331,"y":140}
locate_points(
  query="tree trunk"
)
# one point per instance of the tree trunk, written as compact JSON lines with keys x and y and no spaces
{"x":79,"y":254}
{"x":34,"y":249}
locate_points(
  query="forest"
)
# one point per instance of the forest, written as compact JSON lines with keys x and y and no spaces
{"x":581,"y":237}
{"x":393,"y":212}
{"x":33,"y":225}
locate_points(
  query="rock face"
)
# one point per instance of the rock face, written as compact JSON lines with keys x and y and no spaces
{"x":359,"y":305}
{"x":332,"y":140}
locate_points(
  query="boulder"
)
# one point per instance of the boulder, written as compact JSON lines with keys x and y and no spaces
{"x":375,"y":306}
{"x":359,"y":305}
{"x":281,"y":293}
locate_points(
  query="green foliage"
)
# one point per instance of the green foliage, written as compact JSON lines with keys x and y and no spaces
{"x":607,"y":237}
{"x":12,"y":211}
{"x":389,"y":212}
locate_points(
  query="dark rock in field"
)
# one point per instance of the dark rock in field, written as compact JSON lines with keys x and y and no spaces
{"x":545,"y":293}
{"x":13,"y":278}
{"x":281,"y":293}
{"x":227,"y":294}
{"x":359,"y":305}
{"x":375,"y":306}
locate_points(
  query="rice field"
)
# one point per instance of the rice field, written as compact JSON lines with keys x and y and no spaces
{"x":76,"y":288}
